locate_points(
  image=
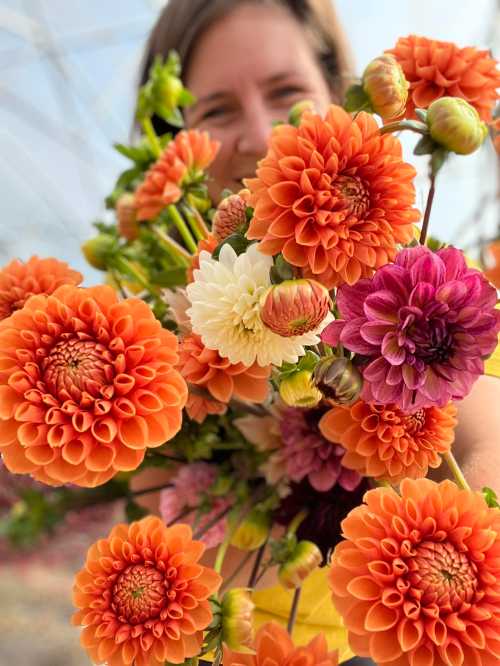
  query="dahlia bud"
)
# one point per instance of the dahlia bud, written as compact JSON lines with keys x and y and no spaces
{"x":126,"y":214}
{"x":99,"y":250}
{"x":338,"y":379}
{"x":456,"y":125}
{"x":294,"y":307}
{"x":237,"y":619}
{"x":305,"y":558}
{"x":229,"y":217}
{"x":295,"y":113}
{"x":385,"y":86}
{"x":170,"y":91}
{"x":253,"y":531}
{"x":298,"y":390}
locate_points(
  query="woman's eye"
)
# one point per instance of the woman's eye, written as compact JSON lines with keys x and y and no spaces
{"x":216,"y":112}
{"x":287,"y":91}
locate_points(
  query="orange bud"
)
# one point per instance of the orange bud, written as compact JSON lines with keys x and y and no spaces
{"x":126,"y":214}
{"x":229,"y":217}
{"x":305,"y":558}
{"x":455,"y":124}
{"x":295,"y":307}
{"x":237,"y":619}
{"x":386,"y":87}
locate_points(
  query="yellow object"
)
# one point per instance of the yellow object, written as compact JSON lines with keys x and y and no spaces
{"x":315,"y":614}
{"x":492,"y":365}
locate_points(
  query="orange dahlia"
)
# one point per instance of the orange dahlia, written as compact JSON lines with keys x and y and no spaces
{"x":417,"y":579}
{"x":208,"y":244}
{"x":143,"y":596}
{"x":435,"y":69}
{"x":385,"y":443}
{"x":493,"y":272}
{"x":183,"y":159}
{"x":334,"y":196}
{"x":222,"y":380}
{"x":274,"y":647}
{"x":19,"y":281}
{"x":87,"y":384}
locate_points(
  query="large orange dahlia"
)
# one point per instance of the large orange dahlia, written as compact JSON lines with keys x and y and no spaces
{"x":143,"y":596}
{"x":435,"y":69}
{"x":87,"y":384}
{"x":220,"y":379}
{"x":19,"y":281}
{"x":274,"y":647}
{"x":385,"y":443}
{"x":417,"y":579}
{"x":334,"y":196}
{"x":184,"y":158}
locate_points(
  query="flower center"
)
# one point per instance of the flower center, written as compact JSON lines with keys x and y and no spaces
{"x":415,"y":422}
{"x":443,"y":575}
{"x":139,"y":594}
{"x":353,"y":195}
{"x":427,"y":338}
{"x":75,"y":365}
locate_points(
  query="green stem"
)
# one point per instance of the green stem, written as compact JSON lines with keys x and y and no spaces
{"x":196,"y":228}
{"x":399,"y":125}
{"x":126,"y":266}
{"x":239,"y":568}
{"x":147,"y":126}
{"x":172,"y":246}
{"x":294,"y":525}
{"x":293,"y":610}
{"x":428,"y":207}
{"x":199,"y":219}
{"x":456,"y":471}
{"x":182,"y":227}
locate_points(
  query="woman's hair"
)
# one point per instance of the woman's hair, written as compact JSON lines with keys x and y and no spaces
{"x":182,"y":22}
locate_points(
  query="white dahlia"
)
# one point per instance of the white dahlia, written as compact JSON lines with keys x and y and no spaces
{"x":225,"y":310}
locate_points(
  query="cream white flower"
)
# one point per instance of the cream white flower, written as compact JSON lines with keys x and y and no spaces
{"x":225,"y":310}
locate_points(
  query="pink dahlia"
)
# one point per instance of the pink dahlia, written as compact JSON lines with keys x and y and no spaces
{"x":188,"y":487}
{"x":425,"y":325}
{"x":306,"y":453}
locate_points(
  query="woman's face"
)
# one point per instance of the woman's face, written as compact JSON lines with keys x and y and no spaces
{"x":246,"y":71}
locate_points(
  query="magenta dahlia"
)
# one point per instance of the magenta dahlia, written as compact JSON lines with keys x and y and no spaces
{"x":424,"y":324}
{"x":306,"y":453}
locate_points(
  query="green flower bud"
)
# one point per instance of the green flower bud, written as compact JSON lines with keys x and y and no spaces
{"x":297,"y":390}
{"x":253,"y":531}
{"x":295,"y":113}
{"x":99,"y":250}
{"x":456,"y":125}
{"x":338,"y":379}
{"x":305,"y":558}
{"x":237,"y":619}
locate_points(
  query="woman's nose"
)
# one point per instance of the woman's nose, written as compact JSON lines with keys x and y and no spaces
{"x":254,"y":132}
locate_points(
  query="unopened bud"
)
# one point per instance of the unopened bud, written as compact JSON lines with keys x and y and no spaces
{"x":126,"y":214}
{"x":456,"y":125}
{"x":385,"y":86}
{"x":237,"y":619}
{"x":295,"y":307}
{"x":305,"y":558}
{"x":298,"y":390}
{"x":338,"y":379}
{"x":99,"y":250}
{"x":295,"y":113}
{"x":253,"y":531}
{"x":170,"y":90}
{"x":230,"y":217}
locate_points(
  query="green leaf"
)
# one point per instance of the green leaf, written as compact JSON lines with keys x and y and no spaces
{"x":308,"y":362}
{"x":186,"y":98}
{"x":356,"y":99}
{"x":281,"y":270}
{"x":438,"y":158}
{"x":171,"y":277}
{"x":237,"y":241}
{"x":490,"y":497}
{"x":425,"y":146}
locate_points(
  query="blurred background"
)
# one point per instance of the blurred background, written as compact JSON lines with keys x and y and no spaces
{"x":69,"y":72}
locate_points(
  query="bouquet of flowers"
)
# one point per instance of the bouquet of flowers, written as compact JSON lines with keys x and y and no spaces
{"x":291,"y":359}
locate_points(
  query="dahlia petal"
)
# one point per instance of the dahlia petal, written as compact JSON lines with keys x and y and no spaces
{"x":391,"y":350}
{"x":423,"y":655}
{"x":384,"y":646}
{"x":15,"y":460}
{"x":381,"y":306}
{"x":351,"y":336}
{"x":8,"y":432}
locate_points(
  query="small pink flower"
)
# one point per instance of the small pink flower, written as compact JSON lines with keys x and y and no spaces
{"x":425,"y":325}
{"x":189,"y":486}
{"x":306,"y":453}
